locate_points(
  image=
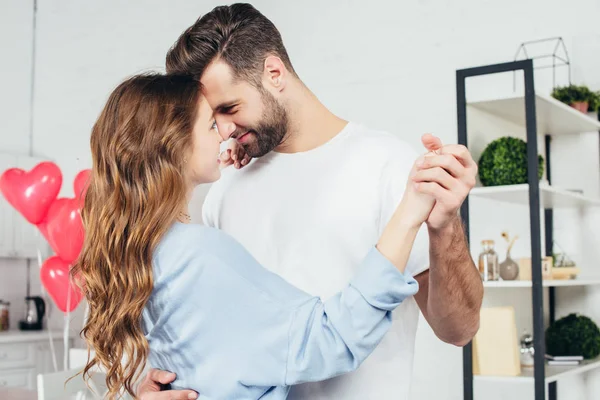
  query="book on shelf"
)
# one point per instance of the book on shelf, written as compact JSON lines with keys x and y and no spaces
{"x":564,"y":362}
{"x":564,"y":358}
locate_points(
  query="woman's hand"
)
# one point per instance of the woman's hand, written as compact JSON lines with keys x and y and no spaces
{"x":150,"y":387}
{"x":415,"y":206}
{"x":235,"y":155}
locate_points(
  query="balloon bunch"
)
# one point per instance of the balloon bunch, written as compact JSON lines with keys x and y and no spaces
{"x":34,"y":194}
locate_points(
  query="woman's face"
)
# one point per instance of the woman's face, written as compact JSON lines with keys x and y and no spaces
{"x":204,"y":161}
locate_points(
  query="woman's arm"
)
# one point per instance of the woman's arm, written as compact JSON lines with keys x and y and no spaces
{"x":335,"y":337}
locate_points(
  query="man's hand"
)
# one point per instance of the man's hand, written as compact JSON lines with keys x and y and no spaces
{"x":235,"y":155}
{"x":448,"y":176}
{"x":149,"y":389}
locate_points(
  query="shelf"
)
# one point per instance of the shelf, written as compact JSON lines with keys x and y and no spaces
{"x":553,"y":116}
{"x":550,"y":197}
{"x":553,"y":373}
{"x":545,"y":283}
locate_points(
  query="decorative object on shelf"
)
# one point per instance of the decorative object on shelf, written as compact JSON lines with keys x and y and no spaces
{"x":562,"y":260}
{"x":525,"y":268}
{"x":4,"y":316}
{"x":488,"y":261}
{"x":580,"y":97}
{"x":563,"y":266}
{"x":537,"y":49}
{"x":504,"y":162}
{"x":573,"y":335}
{"x":527,"y":350}
{"x":509,"y":269}
{"x":564,"y":273}
{"x":495,"y":346}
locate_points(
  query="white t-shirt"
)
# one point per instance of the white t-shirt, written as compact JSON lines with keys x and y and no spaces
{"x":311,"y":217}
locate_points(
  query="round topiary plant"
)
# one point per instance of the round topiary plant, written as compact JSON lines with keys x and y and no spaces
{"x":504,"y":162}
{"x":573,"y":335}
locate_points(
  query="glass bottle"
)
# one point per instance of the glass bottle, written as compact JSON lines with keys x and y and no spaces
{"x":488,"y":261}
{"x":4,"y":316}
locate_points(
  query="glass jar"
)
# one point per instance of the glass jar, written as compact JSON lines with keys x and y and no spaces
{"x":4,"y":326}
{"x":488,"y":261}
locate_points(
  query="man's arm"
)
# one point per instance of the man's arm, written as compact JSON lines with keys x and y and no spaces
{"x":451,"y":291}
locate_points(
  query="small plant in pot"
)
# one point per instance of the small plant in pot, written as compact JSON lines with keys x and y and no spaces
{"x":594,"y":102}
{"x":579,"y":97}
{"x":573,"y":335}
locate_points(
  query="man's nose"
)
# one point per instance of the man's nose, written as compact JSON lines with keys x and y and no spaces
{"x":226,"y":129}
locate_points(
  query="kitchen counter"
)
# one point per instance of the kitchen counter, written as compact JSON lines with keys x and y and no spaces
{"x":17,"y":394}
{"x":17,"y":336}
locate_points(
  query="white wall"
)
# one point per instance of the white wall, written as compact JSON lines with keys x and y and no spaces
{"x":16,"y":18}
{"x":385,"y":63}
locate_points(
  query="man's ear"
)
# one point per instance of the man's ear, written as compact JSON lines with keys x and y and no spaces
{"x":275,"y":74}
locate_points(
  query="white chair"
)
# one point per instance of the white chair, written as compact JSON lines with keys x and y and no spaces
{"x":78,"y":358}
{"x":54,"y":386}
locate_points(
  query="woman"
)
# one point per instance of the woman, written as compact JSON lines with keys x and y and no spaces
{"x":189,"y":298}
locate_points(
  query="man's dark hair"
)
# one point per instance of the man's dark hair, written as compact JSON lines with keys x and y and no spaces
{"x":237,"y":34}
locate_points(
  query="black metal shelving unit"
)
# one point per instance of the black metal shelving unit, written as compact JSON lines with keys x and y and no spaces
{"x":526,"y":67}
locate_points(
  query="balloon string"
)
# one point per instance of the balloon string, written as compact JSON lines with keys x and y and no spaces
{"x":66,"y":331}
{"x":47,"y":315}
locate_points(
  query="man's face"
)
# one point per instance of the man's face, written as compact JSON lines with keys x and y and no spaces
{"x":251,"y":116}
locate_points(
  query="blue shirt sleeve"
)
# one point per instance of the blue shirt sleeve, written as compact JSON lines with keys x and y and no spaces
{"x":335,"y":337}
{"x":228,"y":327}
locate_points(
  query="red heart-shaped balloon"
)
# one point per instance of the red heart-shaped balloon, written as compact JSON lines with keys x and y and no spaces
{"x":81,"y":182}
{"x":31,"y":193}
{"x":80,"y":185}
{"x":64,"y":228}
{"x":55,"y":278}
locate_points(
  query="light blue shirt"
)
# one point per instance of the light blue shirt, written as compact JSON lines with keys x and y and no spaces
{"x":230,"y":329}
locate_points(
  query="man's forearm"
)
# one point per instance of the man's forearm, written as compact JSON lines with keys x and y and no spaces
{"x":455,"y":288}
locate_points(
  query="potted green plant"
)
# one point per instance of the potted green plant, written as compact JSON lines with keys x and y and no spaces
{"x":573,"y":335}
{"x":504,"y":162}
{"x":576,"y":96}
{"x":594,"y":102}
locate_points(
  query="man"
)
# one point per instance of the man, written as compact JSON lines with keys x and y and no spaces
{"x":320,"y":191}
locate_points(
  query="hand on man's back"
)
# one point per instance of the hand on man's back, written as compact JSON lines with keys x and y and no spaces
{"x":150,"y":387}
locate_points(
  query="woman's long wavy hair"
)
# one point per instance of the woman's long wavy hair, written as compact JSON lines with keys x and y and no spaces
{"x":137,"y":187}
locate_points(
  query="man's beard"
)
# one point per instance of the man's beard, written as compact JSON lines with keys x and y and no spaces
{"x":270,"y":131}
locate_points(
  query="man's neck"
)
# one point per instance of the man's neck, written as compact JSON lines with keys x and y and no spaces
{"x":311,"y":124}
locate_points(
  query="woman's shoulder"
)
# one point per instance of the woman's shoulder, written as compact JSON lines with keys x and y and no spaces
{"x":185,"y":233}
